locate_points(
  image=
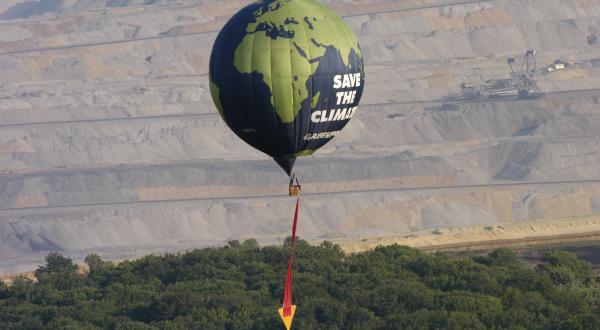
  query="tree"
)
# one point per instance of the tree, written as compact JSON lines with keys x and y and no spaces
{"x":59,"y":272}
{"x":565,"y":268}
{"x":56,"y":264}
{"x":504,"y":257}
{"x":234,"y":243}
{"x":250,"y":244}
{"x":95,"y":263}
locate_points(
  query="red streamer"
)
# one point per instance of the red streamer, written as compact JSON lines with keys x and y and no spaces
{"x":287,"y":295}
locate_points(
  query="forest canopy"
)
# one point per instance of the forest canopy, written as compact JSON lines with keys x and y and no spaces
{"x":241,"y":286}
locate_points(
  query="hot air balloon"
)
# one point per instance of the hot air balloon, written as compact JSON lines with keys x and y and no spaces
{"x":286,"y":76}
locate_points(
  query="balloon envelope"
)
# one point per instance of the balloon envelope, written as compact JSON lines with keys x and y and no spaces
{"x":286,"y":76}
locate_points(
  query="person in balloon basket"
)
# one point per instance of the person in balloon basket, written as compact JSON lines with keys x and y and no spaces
{"x":294,"y":188}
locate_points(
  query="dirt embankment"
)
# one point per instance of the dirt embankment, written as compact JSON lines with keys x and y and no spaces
{"x":487,"y":237}
{"x":540,"y":233}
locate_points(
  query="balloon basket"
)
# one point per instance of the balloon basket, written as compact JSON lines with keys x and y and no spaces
{"x":295,"y":190}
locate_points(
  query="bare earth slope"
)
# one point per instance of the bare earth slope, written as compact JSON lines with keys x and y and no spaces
{"x":574,"y":230}
{"x":109,"y":141}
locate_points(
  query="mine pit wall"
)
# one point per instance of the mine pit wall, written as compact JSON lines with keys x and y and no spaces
{"x":117,"y":232}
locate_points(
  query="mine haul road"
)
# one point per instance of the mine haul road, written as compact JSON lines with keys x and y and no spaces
{"x":54,"y":209}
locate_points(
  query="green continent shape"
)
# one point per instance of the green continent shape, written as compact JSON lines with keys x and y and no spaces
{"x":215,"y":92}
{"x":303,"y":153}
{"x":304,"y":29}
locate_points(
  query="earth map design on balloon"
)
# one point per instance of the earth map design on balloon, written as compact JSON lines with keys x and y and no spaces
{"x":286,"y":75}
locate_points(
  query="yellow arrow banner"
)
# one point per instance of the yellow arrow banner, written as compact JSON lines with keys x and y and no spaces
{"x":288,"y":317}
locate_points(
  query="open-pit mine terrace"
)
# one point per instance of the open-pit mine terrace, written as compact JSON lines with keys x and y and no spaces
{"x":109,"y":142}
